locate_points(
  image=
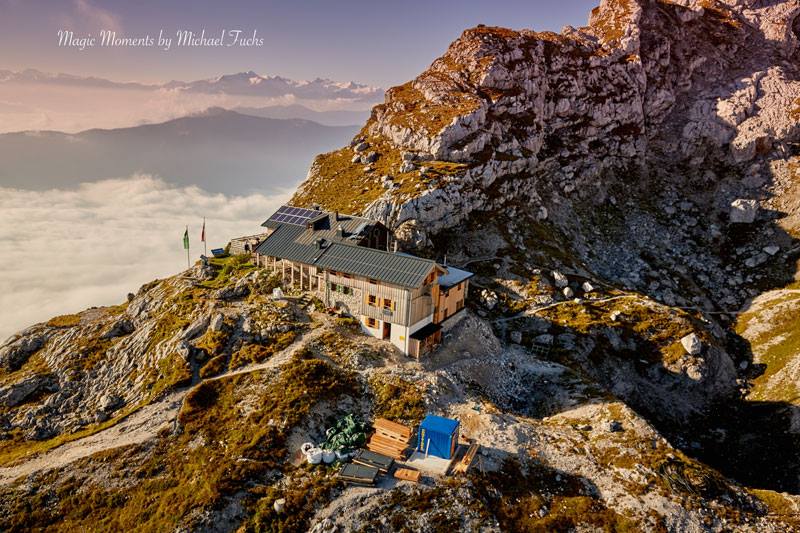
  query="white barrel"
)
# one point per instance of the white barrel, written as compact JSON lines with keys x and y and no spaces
{"x":306,"y":447}
{"x":314,"y":456}
{"x":328,"y":456}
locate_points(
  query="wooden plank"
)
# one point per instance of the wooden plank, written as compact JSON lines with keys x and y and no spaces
{"x":394,"y":454}
{"x":407,"y":474}
{"x":382,"y":448}
{"x":392,"y":427}
{"x":465,"y":462}
{"x":392,"y":436}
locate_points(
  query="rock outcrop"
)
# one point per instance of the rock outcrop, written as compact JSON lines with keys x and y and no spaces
{"x":676,"y":106}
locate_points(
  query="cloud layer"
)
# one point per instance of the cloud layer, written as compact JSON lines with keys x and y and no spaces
{"x":66,"y":250}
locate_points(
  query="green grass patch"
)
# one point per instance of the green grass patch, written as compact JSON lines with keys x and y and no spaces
{"x":777,"y":346}
{"x":397,"y":399}
{"x":214,"y":367}
{"x":228,"y":269}
{"x":251,"y":353}
{"x":64,"y":321}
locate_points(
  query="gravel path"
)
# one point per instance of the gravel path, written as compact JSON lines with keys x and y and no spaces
{"x":140,"y":426}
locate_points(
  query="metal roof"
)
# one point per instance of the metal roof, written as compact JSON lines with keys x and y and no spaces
{"x":340,"y":253}
{"x":282,"y":243}
{"x":439,"y":424}
{"x":453,"y":277}
{"x":403,"y":270}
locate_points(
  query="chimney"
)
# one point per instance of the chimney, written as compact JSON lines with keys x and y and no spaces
{"x":395,"y":246}
{"x":340,"y":231}
{"x":336,"y":216}
{"x":315,"y":207}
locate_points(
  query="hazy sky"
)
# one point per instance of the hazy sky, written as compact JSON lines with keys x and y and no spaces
{"x":374,"y":42}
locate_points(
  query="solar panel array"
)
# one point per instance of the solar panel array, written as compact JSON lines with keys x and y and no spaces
{"x":294,"y":215}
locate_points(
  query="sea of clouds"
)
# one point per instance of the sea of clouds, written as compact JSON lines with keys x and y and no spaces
{"x":66,"y":250}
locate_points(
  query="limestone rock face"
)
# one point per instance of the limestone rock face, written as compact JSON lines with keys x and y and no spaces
{"x":682,"y":104}
{"x":570,"y":109}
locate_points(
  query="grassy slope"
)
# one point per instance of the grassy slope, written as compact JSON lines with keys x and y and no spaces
{"x":772,"y":326}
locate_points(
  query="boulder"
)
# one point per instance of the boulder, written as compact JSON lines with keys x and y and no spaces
{"x":560,"y":279}
{"x":692,"y":344}
{"x":489,"y":299}
{"x":360,"y":147}
{"x":568,"y":293}
{"x":279,"y":505}
{"x":407,"y":166}
{"x":743,"y":211}
{"x":195,"y":329}
{"x":587,"y":287}
{"x":119,"y":328}
{"x":40,"y":432}
{"x":217,"y":323}
{"x":545,"y":340}
{"x":15,"y":353}
{"x":771,"y":250}
{"x":17,"y":393}
{"x":110,"y":402}
{"x":516,"y":337}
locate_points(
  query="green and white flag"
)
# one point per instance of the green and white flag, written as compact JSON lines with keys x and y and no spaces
{"x":186,"y":239}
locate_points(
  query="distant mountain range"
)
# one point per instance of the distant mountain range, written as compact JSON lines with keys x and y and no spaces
{"x":328,"y":118}
{"x":242,"y":84}
{"x":218,"y":150}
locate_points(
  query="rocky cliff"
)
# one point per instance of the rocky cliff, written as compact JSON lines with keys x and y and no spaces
{"x":660,"y":114}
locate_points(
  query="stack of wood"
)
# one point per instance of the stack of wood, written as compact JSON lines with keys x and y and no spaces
{"x":390,"y":438}
{"x":463,"y":465}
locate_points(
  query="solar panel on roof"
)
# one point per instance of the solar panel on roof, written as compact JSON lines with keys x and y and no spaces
{"x":297,"y":216}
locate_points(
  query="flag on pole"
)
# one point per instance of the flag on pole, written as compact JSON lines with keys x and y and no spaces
{"x":203,"y":237}
{"x":186,"y":246}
